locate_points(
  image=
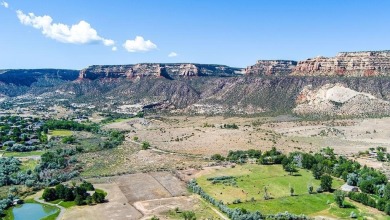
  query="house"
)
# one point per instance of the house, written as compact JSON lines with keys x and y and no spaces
{"x":348,"y":188}
{"x":17,"y":201}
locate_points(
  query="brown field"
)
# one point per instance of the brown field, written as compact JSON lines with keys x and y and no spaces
{"x":188,"y":135}
{"x":139,"y":196}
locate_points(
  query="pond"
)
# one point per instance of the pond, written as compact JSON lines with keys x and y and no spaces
{"x":32,"y":211}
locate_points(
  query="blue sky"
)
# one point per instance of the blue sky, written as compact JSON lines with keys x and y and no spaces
{"x":235,"y":33}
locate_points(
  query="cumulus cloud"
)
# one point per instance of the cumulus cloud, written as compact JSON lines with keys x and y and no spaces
{"x":81,"y":33}
{"x":114,"y":49}
{"x":173,"y":54}
{"x":139,"y":44}
{"x":4,"y":4}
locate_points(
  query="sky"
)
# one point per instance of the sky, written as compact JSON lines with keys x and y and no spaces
{"x":74,"y":34}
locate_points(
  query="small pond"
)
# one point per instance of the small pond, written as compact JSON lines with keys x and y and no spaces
{"x":32,"y":211}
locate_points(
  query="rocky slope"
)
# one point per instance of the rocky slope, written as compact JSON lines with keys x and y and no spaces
{"x":336,"y":99}
{"x":350,"y":64}
{"x":156,"y":70}
{"x":308,"y":87}
{"x":271,"y":68}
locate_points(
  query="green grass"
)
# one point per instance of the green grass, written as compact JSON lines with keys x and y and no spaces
{"x":28,"y":165}
{"x":23,"y":154}
{"x":60,"y":133}
{"x":68,"y":204}
{"x":252,"y":179}
{"x":52,"y":216}
{"x":9,"y":215}
{"x":305,"y":204}
{"x":65,"y":204}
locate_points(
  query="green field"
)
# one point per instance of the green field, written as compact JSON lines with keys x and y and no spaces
{"x":65,"y":204}
{"x":23,"y":154}
{"x":28,"y":165}
{"x":251,"y":179}
{"x":60,"y":133}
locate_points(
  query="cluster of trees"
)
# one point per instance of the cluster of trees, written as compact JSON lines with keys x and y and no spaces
{"x":382,"y":204}
{"x":78,"y":194}
{"x":6,"y":203}
{"x":10,"y":173}
{"x":55,"y":166}
{"x":69,"y":125}
{"x":22,"y":148}
{"x":239,"y":156}
{"x":239,"y":214}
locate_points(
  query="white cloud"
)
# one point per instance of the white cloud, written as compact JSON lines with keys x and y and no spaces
{"x":139,"y":45}
{"x":81,"y":33}
{"x":114,"y":48}
{"x":173,"y":54}
{"x":4,"y":4}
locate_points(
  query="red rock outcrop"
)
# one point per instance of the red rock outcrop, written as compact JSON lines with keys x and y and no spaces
{"x":352,"y":64}
{"x":271,"y":68}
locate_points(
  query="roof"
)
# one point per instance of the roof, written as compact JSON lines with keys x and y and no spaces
{"x":348,"y":188}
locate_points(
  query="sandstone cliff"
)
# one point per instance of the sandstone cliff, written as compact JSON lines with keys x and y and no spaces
{"x":156,"y":70}
{"x":271,"y":68}
{"x":351,"y":64}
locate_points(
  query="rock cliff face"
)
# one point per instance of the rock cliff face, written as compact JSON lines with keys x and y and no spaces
{"x":271,"y":68}
{"x":336,"y":99}
{"x":352,"y":64}
{"x":156,"y":70}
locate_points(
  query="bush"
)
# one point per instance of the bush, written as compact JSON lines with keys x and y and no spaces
{"x":145,"y":145}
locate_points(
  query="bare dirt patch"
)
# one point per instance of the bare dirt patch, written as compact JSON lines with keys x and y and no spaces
{"x":117,"y":207}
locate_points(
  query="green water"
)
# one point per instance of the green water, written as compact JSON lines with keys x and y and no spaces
{"x":32,"y":211}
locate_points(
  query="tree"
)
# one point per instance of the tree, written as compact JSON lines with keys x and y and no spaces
{"x":87,"y":186}
{"x":317,"y":171}
{"x":291,"y":191}
{"x":154,"y":218}
{"x":380,"y":156}
{"x":310,"y":189}
{"x":98,"y":197}
{"x":79,"y":200}
{"x":339,"y":197}
{"x":387,"y":208}
{"x":49,"y":194}
{"x":188,"y":215}
{"x":60,"y":191}
{"x":386,"y":194}
{"x":89,"y":200}
{"x":68,"y":194}
{"x":326,"y":182}
{"x":266,"y":196}
{"x":291,"y":168}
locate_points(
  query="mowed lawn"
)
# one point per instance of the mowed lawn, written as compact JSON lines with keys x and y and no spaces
{"x":60,"y":133}
{"x":252,"y":179}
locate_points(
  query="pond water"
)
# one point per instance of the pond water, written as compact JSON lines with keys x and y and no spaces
{"x":32,"y":211}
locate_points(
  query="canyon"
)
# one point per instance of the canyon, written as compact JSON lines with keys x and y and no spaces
{"x":269,"y":86}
